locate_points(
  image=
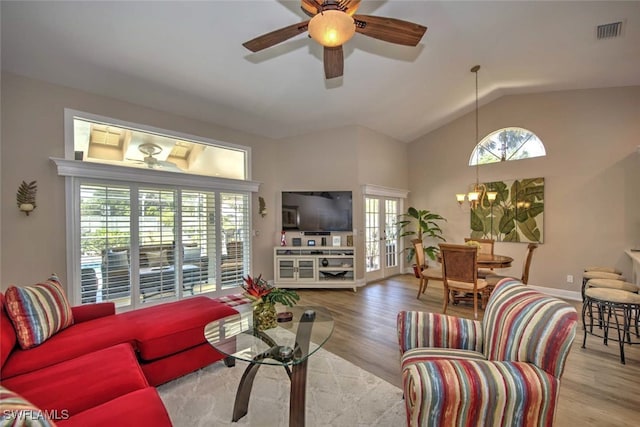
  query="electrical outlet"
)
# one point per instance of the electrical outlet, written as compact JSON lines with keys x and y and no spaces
{"x":569,"y":278}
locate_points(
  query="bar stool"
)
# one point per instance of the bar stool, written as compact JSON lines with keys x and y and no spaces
{"x":621,"y":306}
{"x":603,"y":269}
{"x":613,"y":284}
{"x":589,"y":275}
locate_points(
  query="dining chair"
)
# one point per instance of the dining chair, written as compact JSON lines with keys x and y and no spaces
{"x":460,"y":273}
{"x":425,"y":272}
{"x":486,"y":247}
{"x":493,"y":279}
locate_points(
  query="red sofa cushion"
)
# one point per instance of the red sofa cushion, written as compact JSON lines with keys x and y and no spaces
{"x":135,"y":409}
{"x":7,"y":334}
{"x":84,"y":313}
{"x":166,"y":329}
{"x":163,"y":370}
{"x":80,"y":339}
{"x":82,"y":383}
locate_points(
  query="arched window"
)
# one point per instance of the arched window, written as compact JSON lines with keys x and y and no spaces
{"x":506,"y":144}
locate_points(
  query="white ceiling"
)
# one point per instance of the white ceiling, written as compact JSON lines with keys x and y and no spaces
{"x":187,"y":58}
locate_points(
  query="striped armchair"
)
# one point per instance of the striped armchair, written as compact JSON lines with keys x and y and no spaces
{"x":502,"y":371}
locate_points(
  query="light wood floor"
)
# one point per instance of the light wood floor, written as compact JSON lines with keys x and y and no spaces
{"x":596,"y":389}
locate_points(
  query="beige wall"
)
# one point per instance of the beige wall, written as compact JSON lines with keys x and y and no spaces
{"x":381,"y":160}
{"x":32,"y":131}
{"x":32,"y":118}
{"x":342,"y":159}
{"x":591,"y":171}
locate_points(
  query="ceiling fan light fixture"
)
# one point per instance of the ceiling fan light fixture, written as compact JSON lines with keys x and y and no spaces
{"x":149,"y":148}
{"x":332,"y":28}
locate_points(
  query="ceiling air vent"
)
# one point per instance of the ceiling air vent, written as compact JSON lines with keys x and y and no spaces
{"x":608,"y":31}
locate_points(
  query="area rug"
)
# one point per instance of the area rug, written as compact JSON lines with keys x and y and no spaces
{"x":338,"y":394}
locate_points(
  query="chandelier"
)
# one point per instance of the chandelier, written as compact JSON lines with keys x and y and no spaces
{"x":477,"y":194}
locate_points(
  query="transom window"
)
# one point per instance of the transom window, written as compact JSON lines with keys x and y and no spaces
{"x":125,"y":145}
{"x":512,"y":143}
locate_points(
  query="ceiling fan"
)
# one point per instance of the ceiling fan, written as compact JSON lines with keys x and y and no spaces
{"x":150,"y":149}
{"x":334,"y":22}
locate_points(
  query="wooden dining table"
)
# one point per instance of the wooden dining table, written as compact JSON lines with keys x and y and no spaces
{"x":492,"y":261}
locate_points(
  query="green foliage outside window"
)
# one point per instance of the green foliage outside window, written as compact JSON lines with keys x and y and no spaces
{"x":507,"y":144}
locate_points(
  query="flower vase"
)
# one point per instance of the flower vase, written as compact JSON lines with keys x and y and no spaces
{"x":264,"y":316}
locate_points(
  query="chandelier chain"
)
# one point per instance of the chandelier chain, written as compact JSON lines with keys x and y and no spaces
{"x":475,"y":70}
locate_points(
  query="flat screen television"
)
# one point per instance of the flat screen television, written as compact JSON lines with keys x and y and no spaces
{"x":317,"y":211}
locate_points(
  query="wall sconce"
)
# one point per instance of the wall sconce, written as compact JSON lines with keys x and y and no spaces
{"x":262,"y":207}
{"x":26,"y":197}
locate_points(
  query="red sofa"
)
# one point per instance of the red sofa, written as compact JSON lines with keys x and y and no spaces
{"x":103,"y":367}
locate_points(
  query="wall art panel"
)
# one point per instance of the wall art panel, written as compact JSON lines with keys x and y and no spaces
{"x":516,"y":215}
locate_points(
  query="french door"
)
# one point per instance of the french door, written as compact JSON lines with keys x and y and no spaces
{"x":381,"y":237}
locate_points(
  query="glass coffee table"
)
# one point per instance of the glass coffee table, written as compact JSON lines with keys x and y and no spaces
{"x":289,"y":345}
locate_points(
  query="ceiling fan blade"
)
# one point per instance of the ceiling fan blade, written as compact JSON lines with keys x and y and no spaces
{"x":390,"y":29}
{"x":350,"y":6}
{"x":135,"y":160}
{"x":274,"y":37}
{"x":333,"y":62}
{"x":310,"y":7}
{"x":313,"y":7}
{"x":168,"y":165}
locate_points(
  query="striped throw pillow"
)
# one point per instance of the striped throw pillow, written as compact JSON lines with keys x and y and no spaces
{"x":17,"y":411}
{"x":38,"y":311}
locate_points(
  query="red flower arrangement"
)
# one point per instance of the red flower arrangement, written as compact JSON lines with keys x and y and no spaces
{"x":259,"y":291}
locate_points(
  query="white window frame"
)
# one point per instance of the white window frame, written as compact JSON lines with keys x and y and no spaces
{"x":475,"y":158}
{"x":381,"y":192}
{"x":75,"y":171}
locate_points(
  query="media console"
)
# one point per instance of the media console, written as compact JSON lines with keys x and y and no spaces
{"x":315,"y":267}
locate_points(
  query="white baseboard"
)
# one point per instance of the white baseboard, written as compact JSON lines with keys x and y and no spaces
{"x":559,"y":293}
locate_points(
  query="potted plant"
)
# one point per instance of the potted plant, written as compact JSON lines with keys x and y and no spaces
{"x":265,"y":297}
{"x":426,"y":225}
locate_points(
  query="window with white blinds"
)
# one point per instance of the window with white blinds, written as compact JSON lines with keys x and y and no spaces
{"x":140,"y":244}
{"x":105,"y":237}
{"x":234,"y":220}
{"x":153,"y":214}
{"x":199,"y":238}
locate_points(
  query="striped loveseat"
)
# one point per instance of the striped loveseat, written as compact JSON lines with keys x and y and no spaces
{"x":502,"y":371}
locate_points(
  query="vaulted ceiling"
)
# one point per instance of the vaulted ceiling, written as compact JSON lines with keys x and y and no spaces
{"x":187,"y":58}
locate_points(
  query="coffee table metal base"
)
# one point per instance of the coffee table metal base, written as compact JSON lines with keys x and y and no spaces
{"x":297,"y":374}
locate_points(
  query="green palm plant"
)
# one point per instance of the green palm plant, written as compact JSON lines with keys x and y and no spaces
{"x":426,"y":223}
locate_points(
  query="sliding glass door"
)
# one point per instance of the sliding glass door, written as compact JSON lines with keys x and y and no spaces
{"x":141,"y":244}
